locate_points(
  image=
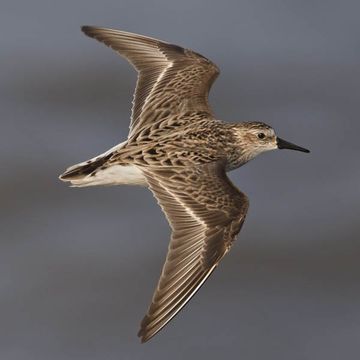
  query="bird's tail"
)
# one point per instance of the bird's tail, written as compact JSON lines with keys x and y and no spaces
{"x":99,"y":171}
{"x":84,"y":173}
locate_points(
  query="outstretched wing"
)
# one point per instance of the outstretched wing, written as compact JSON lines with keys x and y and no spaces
{"x":205,"y":211}
{"x":171,"y":80}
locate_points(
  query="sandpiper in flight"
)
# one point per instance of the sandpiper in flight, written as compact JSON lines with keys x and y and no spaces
{"x":180,"y":151}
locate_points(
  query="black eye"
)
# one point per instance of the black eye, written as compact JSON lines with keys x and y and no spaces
{"x":261,"y":136}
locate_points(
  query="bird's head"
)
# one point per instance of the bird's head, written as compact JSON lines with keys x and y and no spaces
{"x":257,"y":137}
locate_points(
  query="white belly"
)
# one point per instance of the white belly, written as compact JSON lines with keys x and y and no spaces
{"x":122,"y":174}
{"x":113,"y":175}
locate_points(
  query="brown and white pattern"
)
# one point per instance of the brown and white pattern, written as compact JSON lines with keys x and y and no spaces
{"x":205,"y":212}
{"x":180,"y":151}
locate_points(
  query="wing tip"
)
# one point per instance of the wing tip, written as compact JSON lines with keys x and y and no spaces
{"x":143,"y":334}
{"x":89,"y":30}
{"x":148,"y":331}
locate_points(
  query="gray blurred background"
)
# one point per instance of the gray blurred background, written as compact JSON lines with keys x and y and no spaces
{"x":78,"y":266}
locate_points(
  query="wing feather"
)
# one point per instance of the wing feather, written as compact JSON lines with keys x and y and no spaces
{"x":204,"y":225}
{"x":171,"y":80}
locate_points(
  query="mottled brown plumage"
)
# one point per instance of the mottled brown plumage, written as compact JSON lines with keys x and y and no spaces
{"x":180,"y":151}
{"x":172,"y":80}
{"x":205,"y":212}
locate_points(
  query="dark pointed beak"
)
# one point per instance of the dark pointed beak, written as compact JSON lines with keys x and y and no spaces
{"x":282,"y":144}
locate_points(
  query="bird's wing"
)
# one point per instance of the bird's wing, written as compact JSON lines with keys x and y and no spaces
{"x":171,"y":80}
{"x":205,"y":211}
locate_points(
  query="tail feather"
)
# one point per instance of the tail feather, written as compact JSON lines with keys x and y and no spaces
{"x":98,"y":171}
{"x":79,"y":171}
{"x":82,"y":174}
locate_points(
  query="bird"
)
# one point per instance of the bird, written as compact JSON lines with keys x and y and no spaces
{"x":178,"y":148}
